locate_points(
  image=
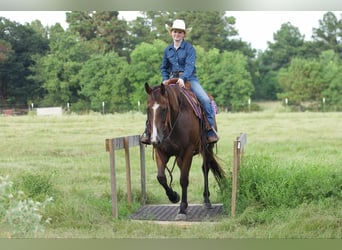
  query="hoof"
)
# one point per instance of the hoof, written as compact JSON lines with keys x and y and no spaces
{"x":180,"y":217}
{"x":207,"y":205}
{"x":174,"y":198}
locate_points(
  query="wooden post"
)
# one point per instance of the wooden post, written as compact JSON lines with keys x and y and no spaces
{"x":238,"y":150}
{"x":143,"y":174}
{"x":110,"y":149}
{"x":128,"y":172}
{"x":234,"y":177}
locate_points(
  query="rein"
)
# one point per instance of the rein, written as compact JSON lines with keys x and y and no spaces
{"x":170,"y":171}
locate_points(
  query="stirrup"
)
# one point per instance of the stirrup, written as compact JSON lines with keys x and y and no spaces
{"x":213,"y":138}
{"x":145,"y":139}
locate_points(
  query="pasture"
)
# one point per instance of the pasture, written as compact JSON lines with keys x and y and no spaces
{"x":64,"y":157}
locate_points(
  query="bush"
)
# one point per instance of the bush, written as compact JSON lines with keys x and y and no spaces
{"x":19,"y":216}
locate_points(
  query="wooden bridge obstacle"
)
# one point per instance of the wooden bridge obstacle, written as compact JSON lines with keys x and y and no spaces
{"x":126,"y":142}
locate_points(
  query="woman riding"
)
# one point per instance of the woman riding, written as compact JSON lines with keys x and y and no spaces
{"x":179,"y":61}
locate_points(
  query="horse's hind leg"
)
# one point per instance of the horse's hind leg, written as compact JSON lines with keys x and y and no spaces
{"x":206,"y":193}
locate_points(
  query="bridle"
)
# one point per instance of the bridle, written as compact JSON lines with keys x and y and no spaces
{"x":174,"y":123}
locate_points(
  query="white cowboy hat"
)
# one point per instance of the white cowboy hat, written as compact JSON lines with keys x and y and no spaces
{"x":178,"y":24}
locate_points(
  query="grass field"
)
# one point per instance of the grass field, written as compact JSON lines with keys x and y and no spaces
{"x":64,"y":157}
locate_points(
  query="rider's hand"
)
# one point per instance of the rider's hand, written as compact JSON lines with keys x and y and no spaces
{"x":165,"y":82}
{"x":181,"y":82}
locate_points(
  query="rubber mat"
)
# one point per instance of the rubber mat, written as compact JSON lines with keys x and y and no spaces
{"x":169,"y":213}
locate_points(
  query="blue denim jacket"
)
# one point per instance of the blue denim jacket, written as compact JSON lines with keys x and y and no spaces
{"x":182,"y":59}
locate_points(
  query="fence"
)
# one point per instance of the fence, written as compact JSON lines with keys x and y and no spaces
{"x":124,"y":143}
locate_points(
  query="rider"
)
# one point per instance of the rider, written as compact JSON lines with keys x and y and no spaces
{"x":179,"y":62}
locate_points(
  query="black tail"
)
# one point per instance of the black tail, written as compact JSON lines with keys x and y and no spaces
{"x":215,"y":167}
{"x":211,"y":161}
{"x":207,"y":151}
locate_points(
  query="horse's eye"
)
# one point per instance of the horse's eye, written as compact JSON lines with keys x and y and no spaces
{"x":163,"y":113}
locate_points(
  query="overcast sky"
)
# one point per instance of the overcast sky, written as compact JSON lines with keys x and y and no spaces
{"x":254,"y":27}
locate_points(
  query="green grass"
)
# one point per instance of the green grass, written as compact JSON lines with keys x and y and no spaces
{"x":65,"y":157}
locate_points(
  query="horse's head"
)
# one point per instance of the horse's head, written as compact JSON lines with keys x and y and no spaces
{"x":158,"y":113}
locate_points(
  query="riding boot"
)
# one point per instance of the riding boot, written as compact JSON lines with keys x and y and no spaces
{"x":145,"y":137}
{"x":212,"y":136}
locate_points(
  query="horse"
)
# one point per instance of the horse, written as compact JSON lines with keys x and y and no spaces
{"x":177,"y":131}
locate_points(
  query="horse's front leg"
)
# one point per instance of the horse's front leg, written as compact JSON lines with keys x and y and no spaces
{"x":161,"y":177}
{"x":184,"y":164}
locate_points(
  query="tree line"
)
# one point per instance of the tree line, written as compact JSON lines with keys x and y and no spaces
{"x":101,"y":59}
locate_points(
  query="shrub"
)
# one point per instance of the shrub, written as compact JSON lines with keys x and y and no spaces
{"x":19,"y":216}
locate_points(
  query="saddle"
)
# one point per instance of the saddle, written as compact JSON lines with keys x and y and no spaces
{"x":193,"y":101}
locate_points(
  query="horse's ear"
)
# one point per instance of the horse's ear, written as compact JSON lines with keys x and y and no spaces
{"x":162,"y":88}
{"x":148,"y":89}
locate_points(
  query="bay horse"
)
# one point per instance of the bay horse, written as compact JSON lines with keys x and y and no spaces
{"x":177,"y":131}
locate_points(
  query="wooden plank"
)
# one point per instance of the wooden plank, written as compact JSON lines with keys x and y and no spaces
{"x":133,"y":140}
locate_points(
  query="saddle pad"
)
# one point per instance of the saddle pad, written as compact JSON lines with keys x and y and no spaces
{"x":192,"y":99}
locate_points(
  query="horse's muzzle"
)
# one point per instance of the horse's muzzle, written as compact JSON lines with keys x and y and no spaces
{"x":157,"y":140}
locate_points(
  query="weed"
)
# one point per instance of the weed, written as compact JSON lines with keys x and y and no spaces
{"x":37,"y":186}
{"x":267,"y":186}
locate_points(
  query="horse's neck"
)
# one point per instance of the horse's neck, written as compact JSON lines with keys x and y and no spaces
{"x":174,"y":99}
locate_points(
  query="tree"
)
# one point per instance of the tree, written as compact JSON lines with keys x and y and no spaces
{"x":5,"y":50}
{"x":332,"y":77}
{"x":16,"y":86}
{"x":145,"y":67}
{"x":329,"y":33}
{"x":57,"y":71}
{"x":211,"y":29}
{"x":302,"y":82}
{"x":225,"y":76}
{"x":103,"y":79}
{"x":288,"y":43}
{"x":139,"y":32}
{"x":103,"y":28}
{"x":235,"y":87}
{"x":208,"y":65}
{"x":307,"y":81}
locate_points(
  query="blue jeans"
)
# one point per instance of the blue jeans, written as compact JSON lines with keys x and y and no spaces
{"x":203,"y":99}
